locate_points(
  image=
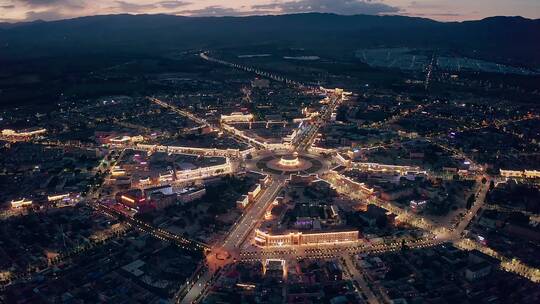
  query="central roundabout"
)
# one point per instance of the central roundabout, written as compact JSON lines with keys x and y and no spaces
{"x":284,"y":163}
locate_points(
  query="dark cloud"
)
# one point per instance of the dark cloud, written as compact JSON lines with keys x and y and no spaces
{"x":7,"y":6}
{"x":343,"y":7}
{"x":71,"y":4}
{"x":38,"y":2}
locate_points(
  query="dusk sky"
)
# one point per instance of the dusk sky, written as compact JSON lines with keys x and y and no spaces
{"x":445,"y":10}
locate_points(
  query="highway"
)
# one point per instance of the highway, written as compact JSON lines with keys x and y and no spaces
{"x":204,"y":55}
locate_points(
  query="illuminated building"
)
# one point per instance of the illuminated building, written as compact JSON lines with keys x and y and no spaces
{"x":192,"y":150}
{"x":120,"y":140}
{"x":124,"y":140}
{"x":355,"y":154}
{"x":190,"y":194}
{"x":287,"y":140}
{"x":531,"y":173}
{"x":165,"y":189}
{"x":20,"y":203}
{"x":275,"y":268}
{"x":23,"y":133}
{"x":163,"y":196}
{"x":354,"y":185}
{"x":511,"y":173}
{"x":254,"y":192}
{"x":237,"y":117}
{"x":522,"y":174}
{"x":166,"y":177}
{"x":203,"y":172}
{"x":145,"y":181}
{"x":57,"y":197}
{"x":118,"y":171}
{"x":264,"y":239}
{"x":417,"y":206}
{"x":132,"y":199}
{"x":289,"y":160}
{"x":243,"y":202}
{"x":64,"y":200}
{"x":376,"y":167}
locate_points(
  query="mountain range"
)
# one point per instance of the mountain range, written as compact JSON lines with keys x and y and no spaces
{"x":508,"y":40}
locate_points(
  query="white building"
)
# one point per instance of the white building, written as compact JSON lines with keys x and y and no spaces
{"x":521,"y":174}
{"x":237,"y":117}
{"x":243,"y":202}
{"x":204,"y":172}
{"x":20,"y":203}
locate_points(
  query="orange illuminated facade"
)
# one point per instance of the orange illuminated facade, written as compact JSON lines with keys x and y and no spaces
{"x":520,"y":174}
{"x":24,"y":133}
{"x":132,"y":199}
{"x":264,"y":239}
{"x":20,"y":203}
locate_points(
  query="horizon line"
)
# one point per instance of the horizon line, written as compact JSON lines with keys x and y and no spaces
{"x":265,"y":15}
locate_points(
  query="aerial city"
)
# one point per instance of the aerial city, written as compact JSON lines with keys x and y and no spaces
{"x":269,"y":151}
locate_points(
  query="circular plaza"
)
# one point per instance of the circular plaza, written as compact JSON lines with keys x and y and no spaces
{"x":282,"y":163}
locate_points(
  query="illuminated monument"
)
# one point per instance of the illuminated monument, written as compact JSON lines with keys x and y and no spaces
{"x":289,"y":160}
{"x":292,"y":162}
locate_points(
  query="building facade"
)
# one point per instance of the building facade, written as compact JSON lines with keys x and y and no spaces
{"x":265,"y":239}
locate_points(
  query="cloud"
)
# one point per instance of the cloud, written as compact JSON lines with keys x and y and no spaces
{"x":214,"y":10}
{"x":431,"y":15}
{"x":51,"y":3}
{"x":46,"y":15}
{"x":423,"y":5}
{"x":343,"y":7}
{"x":173,"y":4}
{"x":38,"y":2}
{"x":133,"y":7}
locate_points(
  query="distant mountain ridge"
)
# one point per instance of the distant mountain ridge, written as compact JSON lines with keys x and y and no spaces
{"x":510,"y":40}
{"x":8,"y":25}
